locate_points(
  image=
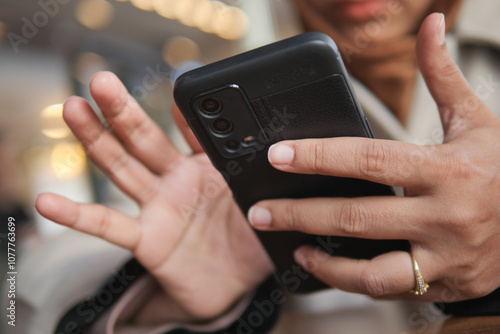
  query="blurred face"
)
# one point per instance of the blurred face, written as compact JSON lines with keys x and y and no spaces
{"x":394,"y":17}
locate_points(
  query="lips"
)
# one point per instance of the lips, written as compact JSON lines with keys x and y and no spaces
{"x":358,"y":10}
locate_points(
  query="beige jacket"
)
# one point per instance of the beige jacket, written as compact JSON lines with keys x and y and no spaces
{"x":59,"y":274}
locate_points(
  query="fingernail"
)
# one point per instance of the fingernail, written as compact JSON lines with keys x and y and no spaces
{"x":301,"y":259}
{"x":442,"y":30}
{"x":280,"y":154}
{"x":259,"y":217}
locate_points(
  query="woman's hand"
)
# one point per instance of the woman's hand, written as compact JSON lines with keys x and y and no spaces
{"x":190,"y":235}
{"x":451,"y":212}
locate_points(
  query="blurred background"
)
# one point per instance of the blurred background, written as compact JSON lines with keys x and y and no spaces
{"x":50,"y":49}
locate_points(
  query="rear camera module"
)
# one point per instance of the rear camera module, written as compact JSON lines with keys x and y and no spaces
{"x":222,"y":125}
{"x":232,"y":145}
{"x":210,"y":105}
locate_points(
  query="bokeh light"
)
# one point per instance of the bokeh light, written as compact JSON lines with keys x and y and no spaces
{"x":178,"y":50}
{"x":231,"y":23}
{"x":68,"y":160}
{"x":184,"y":11}
{"x":94,"y":14}
{"x":53,"y":125}
{"x":143,"y":4}
{"x":228,"y":22}
{"x":203,"y":14}
{"x":165,"y":8}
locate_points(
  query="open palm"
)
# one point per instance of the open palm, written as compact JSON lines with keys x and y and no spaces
{"x":190,"y":235}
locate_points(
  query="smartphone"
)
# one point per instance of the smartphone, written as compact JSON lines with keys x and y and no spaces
{"x":292,"y":89}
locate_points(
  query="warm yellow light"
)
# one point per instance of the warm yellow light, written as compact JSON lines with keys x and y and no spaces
{"x":143,"y":4}
{"x":53,"y":125}
{"x":68,"y":160}
{"x":94,"y":14}
{"x":180,"y":49}
{"x":184,"y":11}
{"x":230,"y":23}
{"x":165,"y":8}
{"x":202,"y":15}
{"x":217,"y":13}
{"x":209,"y":16}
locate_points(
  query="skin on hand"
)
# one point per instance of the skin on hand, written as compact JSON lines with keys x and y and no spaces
{"x":450,"y":213}
{"x":190,"y":235}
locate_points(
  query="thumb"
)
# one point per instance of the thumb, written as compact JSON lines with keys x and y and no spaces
{"x":457,"y":103}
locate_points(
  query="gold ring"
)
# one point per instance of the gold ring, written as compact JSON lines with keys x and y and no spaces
{"x":420,"y":285}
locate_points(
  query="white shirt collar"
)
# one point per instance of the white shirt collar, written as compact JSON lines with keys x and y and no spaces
{"x":479,"y":22}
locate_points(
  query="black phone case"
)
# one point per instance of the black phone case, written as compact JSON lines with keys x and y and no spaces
{"x":296,"y":88}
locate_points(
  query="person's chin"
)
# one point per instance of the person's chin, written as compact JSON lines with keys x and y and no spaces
{"x":360,"y":11}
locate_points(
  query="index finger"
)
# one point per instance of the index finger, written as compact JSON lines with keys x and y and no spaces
{"x":142,"y":137}
{"x":383,"y":161}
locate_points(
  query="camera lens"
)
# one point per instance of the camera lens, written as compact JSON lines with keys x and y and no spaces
{"x":222,"y":125}
{"x":210,"y":105}
{"x":232,"y":145}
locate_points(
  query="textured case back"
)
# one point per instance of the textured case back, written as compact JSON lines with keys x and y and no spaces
{"x":297,"y":88}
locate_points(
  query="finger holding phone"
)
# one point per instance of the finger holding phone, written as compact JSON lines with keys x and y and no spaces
{"x":450,"y":213}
